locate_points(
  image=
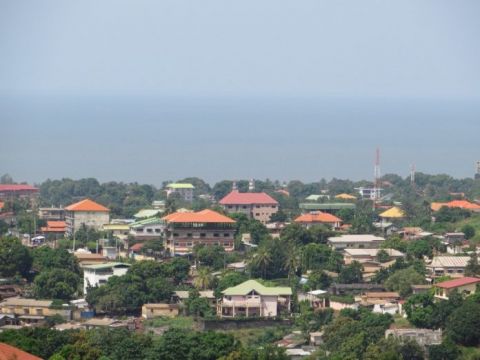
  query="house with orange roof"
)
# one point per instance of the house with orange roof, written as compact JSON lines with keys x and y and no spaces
{"x":259,"y":206}
{"x":319,"y":218}
{"x":54,"y":228}
{"x":8,"y":352}
{"x":462,"y":204}
{"x":184,"y":230}
{"x":85,"y":213}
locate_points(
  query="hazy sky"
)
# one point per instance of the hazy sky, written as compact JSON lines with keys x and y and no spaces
{"x":155,"y":90}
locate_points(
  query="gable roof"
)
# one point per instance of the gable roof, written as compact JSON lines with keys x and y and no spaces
{"x":204,"y":216}
{"x":87,"y":205}
{"x":345,"y":196}
{"x":249,"y":285}
{"x":320,"y":217}
{"x":352,"y":238}
{"x":394,"y":212}
{"x":237,"y":198}
{"x":450,"y":261}
{"x":8,"y":352}
{"x":450,"y":284}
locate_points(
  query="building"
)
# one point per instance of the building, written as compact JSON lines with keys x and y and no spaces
{"x":184,"y":190}
{"x":207,"y":227}
{"x":464,"y":286}
{"x":148,"y":229}
{"x":85,"y":257}
{"x":98,"y":274}
{"x":345,"y":196}
{"x":366,"y":255}
{"x":120,"y":231}
{"x":252,"y":299}
{"x":55,"y":228}
{"x":392,"y":214}
{"x":453,"y":266}
{"x":147,"y":213}
{"x":180,"y":296}
{"x":379,"y":298}
{"x":51,"y":213}
{"x":326,"y":207}
{"x":368,"y":193}
{"x":424,"y":337}
{"x":259,"y":206}
{"x":86,"y":213}
{"x":30,"y":311}
{"x":8,"y":352}
{"x":9,"y":192}
{"x":151,"y":311}
{"x":319,"y":218}
{"x":355,"y":242}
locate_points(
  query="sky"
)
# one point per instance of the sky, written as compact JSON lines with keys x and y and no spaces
{"x":158,"y":90}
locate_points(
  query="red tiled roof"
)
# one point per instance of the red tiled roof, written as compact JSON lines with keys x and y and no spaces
{"x":8,"y":352}
{"x":204,"y":216}
{"x":137,"y":247}
{"x":238,"y":198}
{"x":450,"y":284}
{"x":87,"y":205}
{"x":55,"y":226}
{"x":17,"y":187}
{"x":463,"y":204}
{"x":320,"y":217}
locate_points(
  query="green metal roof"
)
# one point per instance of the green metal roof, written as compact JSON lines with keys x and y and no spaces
{"x":325,"y":206}
{"x":104,"y":265}
{"x":249,"y":285}
{"x":180,"y":186}
{"x":149,"y":221}
{"x":146,"y":213}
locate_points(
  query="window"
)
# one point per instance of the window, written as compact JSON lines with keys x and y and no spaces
{"x":139,"y":230}
{"x":157,"y":231}
{"x":175,"y":234}
{"x":230,"y":206}
{"x":26,"y":311}
{"x":258,"y":206}
{"x":39,"y":311}
{"x":216,"y":234}
{"x":202,"y":235}
{"x":149,"y":230}
{"x":226,"y":235}
{"x":257,"y":214}
{"x":244,"y":206}
{"x":189,"y":235}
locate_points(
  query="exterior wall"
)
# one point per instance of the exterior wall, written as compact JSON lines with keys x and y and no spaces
{"x":249,"y":305}
{"x":20,"y":310}
{"x":340,"y":306}
{"x":441,"y":293}
{"x":182,"y":240}
{"x":93,"y":277}
{"x":186,"y":194}
{"x":355,"y":245}
{"x":92,"y":219}
{"x":260,"y":212}
{"x":153,"y":312}
{"x":308,"y":225}
{"x":440,"y":270}
{"x":148,"y":232}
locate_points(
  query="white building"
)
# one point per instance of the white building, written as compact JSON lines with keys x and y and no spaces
{"x":98,"y":274}
{"x":355,"y":242}
{"x":184,"y":190}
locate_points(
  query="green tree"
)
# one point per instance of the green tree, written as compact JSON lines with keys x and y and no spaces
{"x":351,"y":274}
{"x":473,"y":267}
{"x":319,"y":280}
{"x":229,"y":279}
{"x":46,"y":258}
{"x":15,"y":258}
{"x":463,"y":326}
{"x":56,"y":284}
{"x":469,"y":231}
{"x":204,"y":279}
{"x":382,"y":256}
{"x":262,"y":260}
{"x":402,"y":281}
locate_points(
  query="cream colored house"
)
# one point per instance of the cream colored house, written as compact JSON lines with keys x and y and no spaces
{"x":31,"y":310}
{"x":252,"y":299}
{"x":86,"y":213}
{"x":453,"y":266}
{"x":464,"y":286}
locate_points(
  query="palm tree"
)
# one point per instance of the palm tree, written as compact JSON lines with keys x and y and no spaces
{"x":204,"y":279}
{"x":262,"y":259}
{"x":292,"y":262}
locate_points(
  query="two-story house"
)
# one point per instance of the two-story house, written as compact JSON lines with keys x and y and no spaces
{"x":98,"y":274}
{"x":464,"y":286}
{"x":252,"y":299}
{"x":355,"y":242}
{"x":453,"y":266}
{"x":259,"y":206}
{"x":184,"y":230}
{"x":319,"y":218}
{"x":183,"y":189}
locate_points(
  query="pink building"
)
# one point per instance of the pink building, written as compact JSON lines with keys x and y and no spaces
{"x":252,"y":299}
{"x":259,"y":206}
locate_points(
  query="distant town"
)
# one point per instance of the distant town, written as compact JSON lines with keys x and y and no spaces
{"x":243,"y":269}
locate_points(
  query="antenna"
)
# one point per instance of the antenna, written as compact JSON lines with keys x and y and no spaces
{"x":477,"y":174}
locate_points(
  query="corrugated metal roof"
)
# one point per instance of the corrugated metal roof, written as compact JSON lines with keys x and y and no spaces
{"x":450,"y":261}
{"x":249,"y":285}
